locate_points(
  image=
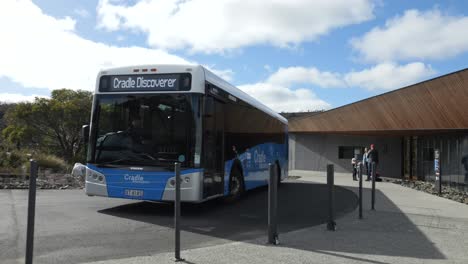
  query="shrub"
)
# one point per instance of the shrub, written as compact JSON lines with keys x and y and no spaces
{"x":12,"y":159}
{"x":48,"y":161}
{"x":17,"y":161}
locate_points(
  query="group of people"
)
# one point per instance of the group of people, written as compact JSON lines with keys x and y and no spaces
{"x":368,"y":157}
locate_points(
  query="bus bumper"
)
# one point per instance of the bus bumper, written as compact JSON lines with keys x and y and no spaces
{"x":95,"y":183}
{"x":190,"y":188}
{"x":96,"y":189}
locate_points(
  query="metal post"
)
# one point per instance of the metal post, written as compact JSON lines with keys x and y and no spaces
{"x":177,"y":211}
{"x":439,"y":183}
{"x":331,"y":225}
{"x":273,"y":205}
{"x":360,"y":191}
{"x":438,"y":172}
{"x":373,"y":185}
{"x":31,"y":213}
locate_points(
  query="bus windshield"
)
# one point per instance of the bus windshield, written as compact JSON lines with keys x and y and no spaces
{"x":144,"y":130}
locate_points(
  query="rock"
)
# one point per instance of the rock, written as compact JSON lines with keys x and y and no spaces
{"x":448,"y":192}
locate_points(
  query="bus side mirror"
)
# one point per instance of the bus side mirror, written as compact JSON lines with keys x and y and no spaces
{"x":85,"y":134}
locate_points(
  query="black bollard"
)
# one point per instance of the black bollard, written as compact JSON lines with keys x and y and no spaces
{"x":373,"y":186}
{"x":360,"y":191}
{"x":331,"y":225}
{"x":438,"y":172}
{"x":177,"y":211}
{"x":31,"y":213}
{"x":273,"y":205}
{"x":438,"y":183}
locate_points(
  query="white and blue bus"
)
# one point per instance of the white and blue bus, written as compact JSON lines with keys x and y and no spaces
{"x":146,"y":118}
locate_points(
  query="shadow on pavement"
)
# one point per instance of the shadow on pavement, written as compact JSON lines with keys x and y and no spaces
{"x":387,"y":232}
{"x":300,"y":205}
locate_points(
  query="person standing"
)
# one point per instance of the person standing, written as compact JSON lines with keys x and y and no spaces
{"x":364,"y":161}
{"x":372,"y":156}
{"x":354,"y":164}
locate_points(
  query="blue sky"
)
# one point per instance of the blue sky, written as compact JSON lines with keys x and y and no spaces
{"x":291,"y":55}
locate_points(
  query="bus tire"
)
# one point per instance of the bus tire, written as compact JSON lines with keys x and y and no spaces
{"x":236,"y":184}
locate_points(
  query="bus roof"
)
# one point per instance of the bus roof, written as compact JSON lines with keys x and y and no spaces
{"x":199,"y":73}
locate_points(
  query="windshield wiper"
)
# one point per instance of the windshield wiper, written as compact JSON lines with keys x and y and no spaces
{"x":168,"y":160}
{"x":127,"y":161}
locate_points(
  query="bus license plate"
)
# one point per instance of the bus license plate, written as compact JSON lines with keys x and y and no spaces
{"x":134,"y":193}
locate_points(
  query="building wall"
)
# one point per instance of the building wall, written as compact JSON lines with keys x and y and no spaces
{"x":453,"y":158}
{"x":314,"y":151}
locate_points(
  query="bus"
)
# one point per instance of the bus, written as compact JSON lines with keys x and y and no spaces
{"x":146,"y":118}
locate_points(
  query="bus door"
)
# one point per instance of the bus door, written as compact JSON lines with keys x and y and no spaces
{"x":213,"y":143}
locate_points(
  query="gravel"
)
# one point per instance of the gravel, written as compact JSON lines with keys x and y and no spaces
{"x":428,"y":187}
{"x":51,"y":181}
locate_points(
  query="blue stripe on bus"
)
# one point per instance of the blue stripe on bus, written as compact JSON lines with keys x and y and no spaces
{"x":254,"y":163}
{"x":152,"y":183}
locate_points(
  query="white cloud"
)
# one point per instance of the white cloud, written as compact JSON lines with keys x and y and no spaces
{"x":415,"y":35}
{"x":45,"y":52}
{"x":225,"y":74}
{"x":284,"y":99}
{"x":16,"y":98}
{"x":216,"y":26}
{"x":294,"y":75}
{"x":389,"y":76}
{"x":81,"y":12}
{"x":276,"y":91}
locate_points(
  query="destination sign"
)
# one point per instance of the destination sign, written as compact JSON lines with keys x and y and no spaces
{"x":145,"y":82}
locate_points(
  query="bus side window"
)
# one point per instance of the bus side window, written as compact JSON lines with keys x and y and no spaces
{"x":209,"y":106}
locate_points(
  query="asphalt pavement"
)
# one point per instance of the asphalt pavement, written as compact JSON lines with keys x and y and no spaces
{"x":408,"y":226}
{"x":74,"y":228}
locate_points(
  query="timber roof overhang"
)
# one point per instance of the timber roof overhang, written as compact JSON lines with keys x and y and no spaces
{"x":433,"y":106}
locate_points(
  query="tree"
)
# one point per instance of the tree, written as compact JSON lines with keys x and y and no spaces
{"x":4,"y":107}
{"x":51,"y":124}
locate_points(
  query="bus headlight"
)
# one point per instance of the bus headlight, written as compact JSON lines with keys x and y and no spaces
{"x":185,"y":182}
{"x":172,"y":182}
{"x":94,"y":176}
